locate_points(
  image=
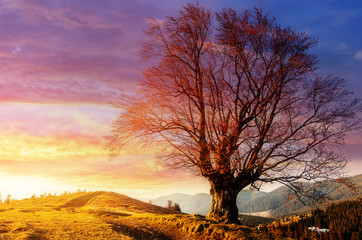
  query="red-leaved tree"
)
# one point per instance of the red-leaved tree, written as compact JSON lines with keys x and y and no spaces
{"x":240,"y":103}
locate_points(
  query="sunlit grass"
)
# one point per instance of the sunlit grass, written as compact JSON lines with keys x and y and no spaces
{"x":28,"y":219}
{"x":70,"y":216}
{"x":107,"y":215}
{"x":52,"y":224}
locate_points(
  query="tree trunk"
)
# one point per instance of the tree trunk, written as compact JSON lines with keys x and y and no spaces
{"x":223,"y":205}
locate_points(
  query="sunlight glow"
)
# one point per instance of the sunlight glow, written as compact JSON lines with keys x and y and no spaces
{"x":20,"y":187}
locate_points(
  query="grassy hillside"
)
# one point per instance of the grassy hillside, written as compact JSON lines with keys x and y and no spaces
{"x":75,"y":216}
{"x":108,"y":215}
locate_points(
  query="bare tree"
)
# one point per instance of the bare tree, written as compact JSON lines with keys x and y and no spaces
{"x":240,"y":103}
{"x":169,"y":204}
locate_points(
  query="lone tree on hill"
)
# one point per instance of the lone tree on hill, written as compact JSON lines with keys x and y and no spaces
{"x":240,"y":103}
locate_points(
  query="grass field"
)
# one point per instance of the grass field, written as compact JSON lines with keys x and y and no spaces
{"x":107,"y":215}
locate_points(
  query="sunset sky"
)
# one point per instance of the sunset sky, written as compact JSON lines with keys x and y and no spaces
{"x":63,"y":62}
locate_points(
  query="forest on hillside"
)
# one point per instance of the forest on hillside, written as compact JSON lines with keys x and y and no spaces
{"x":340,"y":221}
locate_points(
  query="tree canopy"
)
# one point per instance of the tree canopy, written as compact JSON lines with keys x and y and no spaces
{"x":238,"y":99}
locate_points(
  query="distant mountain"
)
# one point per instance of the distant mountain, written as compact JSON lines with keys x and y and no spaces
{"x":200,"y":203}
{"x":276,"y":201}
{"x":271,"y":204}
{"x":193,"y":204}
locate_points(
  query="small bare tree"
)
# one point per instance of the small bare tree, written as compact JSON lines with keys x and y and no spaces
{"x":8,"y":199}
{"x":169,"y":204}
{"x":240,"y":103}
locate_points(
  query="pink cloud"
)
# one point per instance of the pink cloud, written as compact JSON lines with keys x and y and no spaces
{"x":68,"y":51}
{"x":55,"y":120}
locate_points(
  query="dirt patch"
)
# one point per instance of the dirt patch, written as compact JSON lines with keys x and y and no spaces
{"x":6,"y":209}
{"x":35,"y":236}
{"x":138,"y":232}
{"x":108,"y":213}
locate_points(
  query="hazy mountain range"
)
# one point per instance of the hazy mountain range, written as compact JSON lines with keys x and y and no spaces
{"x":272,"y":203}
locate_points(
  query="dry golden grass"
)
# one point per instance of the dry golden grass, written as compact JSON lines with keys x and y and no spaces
{"x":41,"y":218}
{"x":107,"y":215}
{"x":74,"y":216}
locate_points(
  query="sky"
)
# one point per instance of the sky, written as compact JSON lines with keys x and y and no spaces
{"x":63,"y":62}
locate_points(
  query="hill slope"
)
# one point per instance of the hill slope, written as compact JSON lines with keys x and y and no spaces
{"x":95,"y":215}
{"x":124,"y":203}
{"x":108,"y":215}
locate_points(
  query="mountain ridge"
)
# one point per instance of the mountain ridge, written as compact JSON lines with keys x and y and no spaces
{"x":255,"y":203}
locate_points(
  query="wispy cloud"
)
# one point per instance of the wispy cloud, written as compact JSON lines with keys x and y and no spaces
{"x":358,"y":55}
{"x":341,"y":17}
{"x":340,"y":47}
{"x":31,"y":132}
{"x":67,"y":51}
